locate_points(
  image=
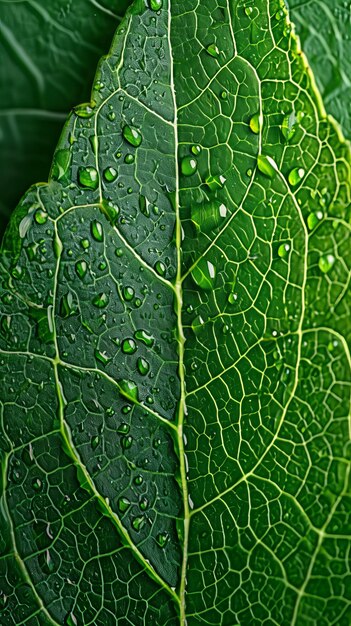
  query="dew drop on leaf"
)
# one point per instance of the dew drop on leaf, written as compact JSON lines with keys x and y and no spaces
{"x":127,"y":442}
{"x":143,"y":366}
{"x":162,"y":539}
{"x":326,"y":263}
{"x":145,"y":337}
{"x":129,"y":346}
{"x":284,"y":250}
{"x":101,"y":300}
{"x":97,"y":231}
{"x":129,"y":158}
{"x":110,"y":174}
{"x":81,"y":269}
{"x":123,"y":504}
{"x":138,"y":523}
{"x":160,"y":268}
{"x":289,"y":126}
{"x":129,"y":390}
{"x":216,"y":182}
{"x":267,"y":165}
{"x":132,"y":135}
{"x":144,"y":503}
{"x":204,"y":274}
{"x":128,"y":293}
{"x":95,"y":442}
{"x":88,"y":177}
{"x":256,"y":123}
{"x":41,"y":216}
{"x":213,"y":50}
{"x":296,"y":175}
{"x":188,"y":166}
{"x":155,"y":5}
{"x":196,"y":150}
{"x":314,"y":219}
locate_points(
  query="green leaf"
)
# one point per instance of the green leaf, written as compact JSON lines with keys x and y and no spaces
{"x":324,"y":28}
{"x":49,"y":52}
{"x":174,"y":340}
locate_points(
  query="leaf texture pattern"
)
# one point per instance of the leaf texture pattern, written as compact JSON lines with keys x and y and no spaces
{"x":174,"y":339}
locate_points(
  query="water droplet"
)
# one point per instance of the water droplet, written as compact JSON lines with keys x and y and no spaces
{"x":160,"y":268}
{"x":110,"y":174}
{"x":296,"y":175}
{"x":129,"y":346}
{"x":196,"y":150}
{"x":284,"y":250}
{"x":129,"y":390}
{"x":128,"y":293}
{"x":144,"y":206}
{"x":138,"y":480}
{"x":289,"y":126}
{"x":224,"y":95}
{"x":95,"y":442}
{"x":248,"y":11}
{"x":85,"y":243}
{"x":256,"y":123}
{"x":162,"y":539}
{"x":144,"y":503}
{"x":132,"y":135}
{"x":102,"y":357}
{"x":204,"y":274}
{"x":37,"y":484}
{"x":213,"y":50}
{"x":101,"y":300}
{"x":216,"y":182}
{"x":232,"y":298}
{"x":326,"y":263}
{"x":123,"y":428}
{"x":127,"y":442}
{"x":143,"y":366}
{"x":81,"y":269}
{"x":145,"y":337}
{"x":97,"y":230}
{"x":85,"y":110}
{"x":208,"y":216}
{"x":41,"y":216}
{"x":88,"y":177}
{"x":61,"y":164}
{"x":188,"y":166}
{"x":138,"y":522}
{"x":314,"y":219}
{"x":155,"y":5}
{"x":198,"y":324}
{"x":267,"y":165}
{"x":129,"y":158}
{"x":123,"y":504}
{"x":119,"y":252}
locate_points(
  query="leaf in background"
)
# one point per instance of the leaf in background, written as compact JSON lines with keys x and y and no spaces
{"x":174,"y":336}
{"x":49,"y":52}
{"x":324,"y":28}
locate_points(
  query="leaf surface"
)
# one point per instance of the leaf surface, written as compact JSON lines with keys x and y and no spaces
{"x":174,"y":337}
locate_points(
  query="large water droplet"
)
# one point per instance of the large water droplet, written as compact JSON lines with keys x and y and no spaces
{"x":101,"y":300}
{"x":155,"y":5}
{"x":216,"y":182}
{"x":132,"y":135}
{"x":296,"y":175}
{"x":314,"y":219}
{"x":204,"y":274}
{"x":326,"y":263}
{"x":213,"y":50}
{"x":97,"y":231}
{"x":81,"y":269}
{"x":41,"y":216}
{"x":123,"y":504}
{"x":256,"y":123}
{"x":267,"y":165}
{"x":143,"y":366}
{"x":208,"y":216}
{"x":129,"y":346}
{"x":146,"y":338}
{"x":129,"y":390}
{"x":188,"y":166}
{"x":138,"y":523}
{"x":110,"y":174}
{"x":88,"y":177}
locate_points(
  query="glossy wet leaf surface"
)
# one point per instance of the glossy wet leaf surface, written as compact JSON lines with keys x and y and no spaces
{"x":174,"y":341}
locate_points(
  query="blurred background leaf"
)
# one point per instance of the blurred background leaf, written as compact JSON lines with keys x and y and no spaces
{"x":49,"y":52}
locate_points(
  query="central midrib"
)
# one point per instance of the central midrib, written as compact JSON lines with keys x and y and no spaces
{"x":181,"y":339}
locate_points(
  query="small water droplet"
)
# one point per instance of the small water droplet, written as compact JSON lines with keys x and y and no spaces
{"x":129,"y":158}
{"x":256,"y":123}
{"x":160,"y":268}
{"x":101,"y":300}
{"x":188,"y":166}
{"x":208,"y":216}
{"x":232,"y":298}
{"x":127,"y":442}
{"x":123,"y":428}
{"x":138,"y":523}
{"x":37,"y":484}
{"x":95,"y":442}
{"x":155,"y":5}
{"x":289,"y":126}
{"x":129,"y":346}
{"x":97,"y":230}
{"x":41,"y":216}
{"x":326,"y":263}
{"x":296,"y":175}
{"x":102,"y":357}
{"x":85,"y":243}
{"x":146,"y":338}
{"x":143,"y":366}
{"x":110,"y":174}
{"x":88,"y":177}
{"x":314,"y":219}
{"x":132,"y":135}
{"x":204,"y":274}
{"x":162,"y":539}
{"x":198,"y":324}
{"x":123,"y":504}
{"x":213,"y":50}
{"x":267,"y":165}
{"x":224,"y":95}
{"x":143,"y":503}
{"x":61,"y":164}
{"x":138,"y":480}
{"x":248,"y":11}
{"x":196,"y":150}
